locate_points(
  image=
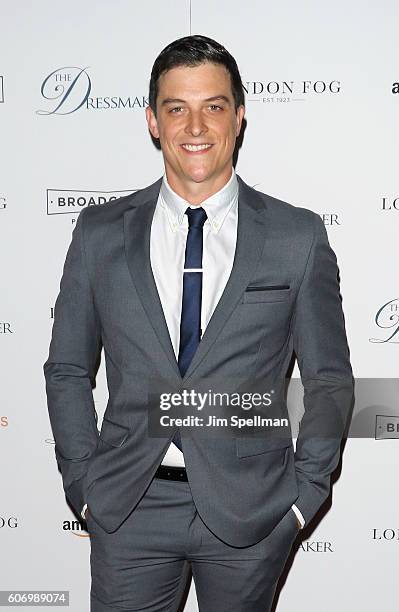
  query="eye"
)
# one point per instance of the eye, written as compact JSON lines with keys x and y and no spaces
{"x":215,"y":107}
{"x":176,"y":108}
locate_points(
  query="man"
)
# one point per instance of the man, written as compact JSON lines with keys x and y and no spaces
{"x":196,"y":278}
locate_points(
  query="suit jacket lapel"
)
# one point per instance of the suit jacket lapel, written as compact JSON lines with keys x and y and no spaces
{"x":250,"y":241}
{"x":137,"y":227}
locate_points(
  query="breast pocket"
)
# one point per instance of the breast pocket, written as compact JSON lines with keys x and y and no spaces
{"x":266,"y":293}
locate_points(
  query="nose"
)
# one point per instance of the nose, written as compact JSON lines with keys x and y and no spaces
{"x":195,"y":124}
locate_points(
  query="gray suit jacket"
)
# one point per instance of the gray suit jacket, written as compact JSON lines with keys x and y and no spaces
{"x":242,"y":486}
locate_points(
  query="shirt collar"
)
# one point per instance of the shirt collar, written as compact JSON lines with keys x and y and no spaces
{"x":216,"y":206}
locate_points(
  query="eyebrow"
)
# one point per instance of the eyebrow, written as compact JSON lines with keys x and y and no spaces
{"x":180,"y":101}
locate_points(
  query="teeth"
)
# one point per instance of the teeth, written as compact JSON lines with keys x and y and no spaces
{"x":191,"y":147}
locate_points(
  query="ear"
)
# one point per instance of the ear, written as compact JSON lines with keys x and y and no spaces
{"x":152,"y":122}
{"x":239,"y":117}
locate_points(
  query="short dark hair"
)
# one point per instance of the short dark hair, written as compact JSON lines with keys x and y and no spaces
{"x":192,"y":51}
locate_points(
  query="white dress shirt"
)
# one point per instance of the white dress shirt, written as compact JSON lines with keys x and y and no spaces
{"x":167,"y":250}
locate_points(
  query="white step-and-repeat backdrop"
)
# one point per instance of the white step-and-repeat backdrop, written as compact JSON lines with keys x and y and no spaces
{"x":322,"y":131}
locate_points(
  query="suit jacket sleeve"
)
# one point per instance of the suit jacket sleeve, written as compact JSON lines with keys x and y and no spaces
{"x":70,"y":370}
{"x":320,"y":344}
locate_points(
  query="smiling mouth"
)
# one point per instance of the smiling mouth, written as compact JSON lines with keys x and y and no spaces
{"x":191,"y":148}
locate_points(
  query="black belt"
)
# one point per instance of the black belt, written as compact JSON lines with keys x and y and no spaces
{"x":171,"y":472}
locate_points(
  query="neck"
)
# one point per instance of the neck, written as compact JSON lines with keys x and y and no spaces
{"x":196,"y":193}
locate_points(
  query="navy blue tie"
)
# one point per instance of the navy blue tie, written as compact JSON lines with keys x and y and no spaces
{"x":190,"y":321}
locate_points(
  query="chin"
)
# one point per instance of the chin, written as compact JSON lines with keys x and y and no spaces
{"x":199,"y":176}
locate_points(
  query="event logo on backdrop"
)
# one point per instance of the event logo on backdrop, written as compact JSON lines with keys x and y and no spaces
{"x":319,"y":546}
{"x":387,"y":319}
{"x":63,"y":201}
{"x":1,"y":89}
{"x":386,"y":427}
{"x":376,"y":414}
{"x":75,"y":527}
{"x":68,"y":89}
{"x":330,"y":219}
{"x":8,"y":521}
{"x":388,"y":534}
{"x":289,"y":91}
{"x":5,"y":327}
{"x":3,"y":201}
{"x":390,"y":204}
